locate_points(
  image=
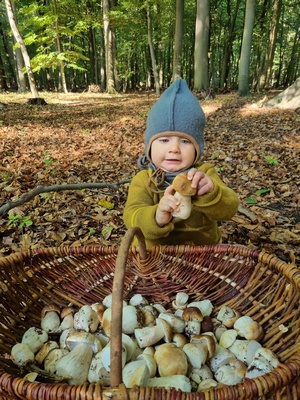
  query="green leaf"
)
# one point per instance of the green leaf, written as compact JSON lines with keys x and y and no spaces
{"x":262,"y":191}
{"x":251,"y":200}
{"x":106,"y":231}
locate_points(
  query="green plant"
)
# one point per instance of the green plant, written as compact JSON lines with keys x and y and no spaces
{"x":19,"y":221}
{"x":48,"y":160}
{"x":271,"y":160}
{"x":5,"y":176}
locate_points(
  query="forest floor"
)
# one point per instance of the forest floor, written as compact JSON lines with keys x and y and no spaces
{"x":81,"y":138}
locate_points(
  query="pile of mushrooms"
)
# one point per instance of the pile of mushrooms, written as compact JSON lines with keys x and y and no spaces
{"x":183,"y":347}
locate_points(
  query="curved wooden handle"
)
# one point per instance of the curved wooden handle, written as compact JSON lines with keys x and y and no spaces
{"x":117,"y":302}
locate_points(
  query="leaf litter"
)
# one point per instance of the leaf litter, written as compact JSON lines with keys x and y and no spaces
{"x":85,"y":137}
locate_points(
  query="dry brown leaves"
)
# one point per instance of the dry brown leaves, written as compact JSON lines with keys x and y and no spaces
{"x":97,"y":138}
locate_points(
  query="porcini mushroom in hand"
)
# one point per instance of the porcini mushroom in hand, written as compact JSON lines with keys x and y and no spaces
{"x":183,"y":192}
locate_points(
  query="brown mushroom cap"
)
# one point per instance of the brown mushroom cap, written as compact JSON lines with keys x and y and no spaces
{"x":192,"y":314}
{"x":182,"y":185}
{"x":50,"y":307}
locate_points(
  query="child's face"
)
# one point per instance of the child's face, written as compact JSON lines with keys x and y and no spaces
{"x":172,"y":153}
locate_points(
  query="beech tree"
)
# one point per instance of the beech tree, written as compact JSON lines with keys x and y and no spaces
{"x":23,"y":49}
{"x":201,"y":80}
{"x":246,"y":49}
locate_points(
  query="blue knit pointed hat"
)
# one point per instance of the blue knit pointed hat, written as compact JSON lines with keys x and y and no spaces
{"x":177,"y":111}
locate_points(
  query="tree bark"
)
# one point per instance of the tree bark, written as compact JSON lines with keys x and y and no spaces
{"x":201,"y":79}
{"x":246,"y":49}
{"x":23,"y":49}
{"x":108,"y":39}
{"x":178,"y":39}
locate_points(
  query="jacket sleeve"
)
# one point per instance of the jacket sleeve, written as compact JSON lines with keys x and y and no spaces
{"x":222,"y":203}
{"x":140,"y":208}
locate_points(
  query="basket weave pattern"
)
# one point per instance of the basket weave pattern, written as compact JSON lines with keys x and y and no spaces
{"x":255,"y":283}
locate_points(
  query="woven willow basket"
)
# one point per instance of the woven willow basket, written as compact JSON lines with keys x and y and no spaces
{"x":257,"y":284}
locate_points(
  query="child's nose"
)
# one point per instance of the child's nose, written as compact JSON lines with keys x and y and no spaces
{"x":174,"y":147}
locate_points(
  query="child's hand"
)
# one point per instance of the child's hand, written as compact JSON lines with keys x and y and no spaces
{"x":200,"y":181}
{"x":167,"y":205}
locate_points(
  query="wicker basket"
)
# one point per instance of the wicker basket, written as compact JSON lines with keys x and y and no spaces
{"x":256,"y":283}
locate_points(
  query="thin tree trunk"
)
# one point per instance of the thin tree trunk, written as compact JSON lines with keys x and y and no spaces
{"x":23,"y":49}
{"x":59,"y":50}
{"x":201,"y":79}
{"x":152,"y":52}
{"x":246,"y":49}
{"x":110,"y":81}
{"x":267,"y":67}
{"x":178,"y":39}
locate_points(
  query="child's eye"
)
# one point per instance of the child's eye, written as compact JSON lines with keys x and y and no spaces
{"x":164,"y":140}
{"x":185,"y":141}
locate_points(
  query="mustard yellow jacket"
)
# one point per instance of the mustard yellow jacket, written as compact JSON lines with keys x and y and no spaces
{"x":199,"y":229}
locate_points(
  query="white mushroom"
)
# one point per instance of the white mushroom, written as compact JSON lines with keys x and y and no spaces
{"x":183,"y":192}
{"x":86,"y":319}
{"x":196,"y":354}
{"x":231,"y":373}
{"x":50,"y":318}
{"x":106,"y":358}
{"x":135,"y":373}
{"x":97,"y":373}
{"x":67,"y":318}
{"x":264,"y":361}
{"x":192,"y":317}
{"x":76,"y":363}
{"x":131,"y":319}
{"x":44,"y":350}
{"x":21,"y":354}
{"x":220,"y":357}
{"x":35,"y":338}
{"x":244,"y":349}
{"x":107,"y":301}
{"x":50,"y":361}
{"x":228,"y":316}
{"x":138,"y":300}
{"x":149,"y":335}
{"x":207,"y":384}
{"x":179,"y":382}
{"x":150,"y":362}
{"x":205,"y":306}
{"x":177,"y":323}
{"x":197,"y":375}
{"x":180,"y":301}
{"x":248,"y":328}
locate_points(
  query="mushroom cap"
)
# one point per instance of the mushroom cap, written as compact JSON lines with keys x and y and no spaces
{"x":171,"y":360}
{"x":50,"y":307}
{"x":182,"y":185}
{"x":228,"y":316}
{"x":81,"y":337}
{"x":208,"y":341}
{"x":192,"y":314}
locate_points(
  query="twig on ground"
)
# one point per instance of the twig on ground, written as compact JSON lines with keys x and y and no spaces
{"x":57,"y":188}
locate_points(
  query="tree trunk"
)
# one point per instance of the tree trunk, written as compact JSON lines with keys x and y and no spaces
{"x":178,"y":39}
{"x":3,"y":83}
{"x":109,"y":64}
{"x":228,"y":42}
{"x":152,"y":52}
{"x":201,"y":79}
{"x":246,"y":49}
{"x":23,"y":49}
{"x":59,"y":51}
{"x":265,"y":77}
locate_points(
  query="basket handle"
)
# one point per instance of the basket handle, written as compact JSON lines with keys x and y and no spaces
{"x":117,"y":302}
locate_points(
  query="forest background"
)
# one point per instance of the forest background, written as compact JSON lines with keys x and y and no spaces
{"x":100,"y":65}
